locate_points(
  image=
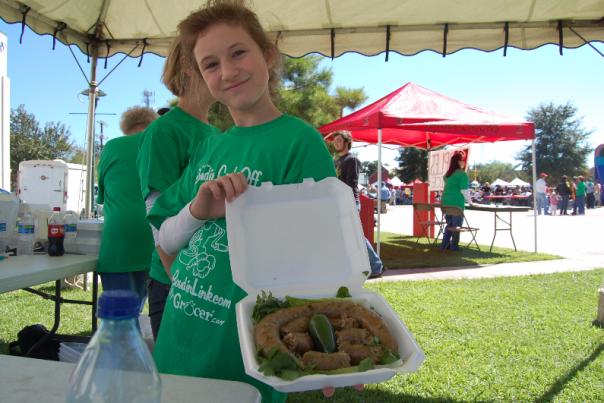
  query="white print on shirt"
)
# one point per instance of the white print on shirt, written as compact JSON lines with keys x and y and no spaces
{"x":197,"y":290}
{"x":196,"y":256}
{"x":190,"y":309}
{"x":206,"y":173}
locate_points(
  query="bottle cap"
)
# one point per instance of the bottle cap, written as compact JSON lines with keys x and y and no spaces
{"x":118,"y":304}
{"x":56,"y":209}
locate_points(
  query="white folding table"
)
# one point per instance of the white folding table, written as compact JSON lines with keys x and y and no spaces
{"x":26,"y":380}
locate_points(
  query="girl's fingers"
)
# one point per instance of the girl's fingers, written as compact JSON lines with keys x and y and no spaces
{"x":239,"y":183}
{"x":216,"y":190}
{"x":227,"y":186}
{"x":329,"y":391}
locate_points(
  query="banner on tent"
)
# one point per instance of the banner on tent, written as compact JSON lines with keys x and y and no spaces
{"x":438,"y":164}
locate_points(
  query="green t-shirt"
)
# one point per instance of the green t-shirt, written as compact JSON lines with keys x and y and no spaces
{"x":581,"y":189}
{"x":199,"y":328}
{"x":127,"y":242}
{"x":166,"y":148}
{"x":454,"y":184}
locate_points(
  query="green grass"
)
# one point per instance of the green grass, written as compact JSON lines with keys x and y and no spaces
{"x":21,"y":308}
{"x":525,"y":338}
{"x":402,"y":252}
{"x":506,"y":339}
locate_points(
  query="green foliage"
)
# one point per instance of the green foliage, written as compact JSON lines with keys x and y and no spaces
{"x":560,"y":142}
{"x":350,"y":98}
{"x":497,"y":169}
{"x":28,"y":141}
{"x":412,"y":164}
{"x":304,"y":91}
{"x":267,"y":304}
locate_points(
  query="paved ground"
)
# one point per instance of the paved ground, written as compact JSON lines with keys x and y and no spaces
{"x":578,"y":239}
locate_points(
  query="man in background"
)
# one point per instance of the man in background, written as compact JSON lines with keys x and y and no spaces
{"x":541,"y":189}
{"x":348,"y":168}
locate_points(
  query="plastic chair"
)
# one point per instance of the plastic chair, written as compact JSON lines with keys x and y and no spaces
{"x":457,"y":212}
{"x":426,"y":224}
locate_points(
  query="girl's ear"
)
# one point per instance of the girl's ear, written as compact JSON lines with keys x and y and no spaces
{"x":271,"y":55}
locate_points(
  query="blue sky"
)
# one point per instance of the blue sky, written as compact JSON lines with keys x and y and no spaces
{"x":47,"y":82}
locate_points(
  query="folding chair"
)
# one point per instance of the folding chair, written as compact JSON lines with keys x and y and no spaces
{"x":426,"y":224}
{"x":457,"y":212}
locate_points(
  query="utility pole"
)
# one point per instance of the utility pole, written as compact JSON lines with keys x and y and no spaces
{"x":148,"y":98}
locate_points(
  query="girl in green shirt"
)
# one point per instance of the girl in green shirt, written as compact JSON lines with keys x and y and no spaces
{"x":237,"y":60}
{"x":454,"y":194}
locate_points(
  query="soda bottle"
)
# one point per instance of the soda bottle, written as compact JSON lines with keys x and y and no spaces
{"x":71,"y":231}
{"x":56,"y":233}
{"x":116,"y":366}
{"x":25,"y":233}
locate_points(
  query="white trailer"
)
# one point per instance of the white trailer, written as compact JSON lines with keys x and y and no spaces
{"x":52,"y":183}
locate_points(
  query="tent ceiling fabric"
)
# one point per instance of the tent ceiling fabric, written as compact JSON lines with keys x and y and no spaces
{"x":305,"y":26}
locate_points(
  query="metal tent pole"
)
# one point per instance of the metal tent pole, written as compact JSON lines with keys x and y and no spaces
{"x":533,"y":149}
{"x":92,"y":96}
{"x":378,"y":194}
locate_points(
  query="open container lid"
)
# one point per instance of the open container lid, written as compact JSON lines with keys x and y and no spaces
{"x":299,"y":239}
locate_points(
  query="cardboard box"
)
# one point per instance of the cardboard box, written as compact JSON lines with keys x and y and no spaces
{"x":305,"y":240}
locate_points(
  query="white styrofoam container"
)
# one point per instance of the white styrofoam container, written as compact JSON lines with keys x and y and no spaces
{"x":88,"y":238}
{"x":306,"y":240}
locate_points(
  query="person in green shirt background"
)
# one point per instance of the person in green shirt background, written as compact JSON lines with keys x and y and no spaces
{"x":126,"y":243}
{"x":455,"y":194}
{"x":580,"y":195}
{"x":165,"y":152}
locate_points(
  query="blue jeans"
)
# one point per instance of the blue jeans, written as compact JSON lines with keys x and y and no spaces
{"x":134,"y":281}
{"x":542,"y":203}
{"x":563,"y":205}
{"x":451,"y":239}
{"x":580,"y":203}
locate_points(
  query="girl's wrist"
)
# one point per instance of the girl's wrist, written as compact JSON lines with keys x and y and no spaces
{"x":194,"y":209}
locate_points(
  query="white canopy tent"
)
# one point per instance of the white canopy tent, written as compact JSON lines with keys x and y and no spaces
{"x":329,"y":27}
{"x":519,"y":182}
{"x":102,"y":28}
{"x":499,"y":182}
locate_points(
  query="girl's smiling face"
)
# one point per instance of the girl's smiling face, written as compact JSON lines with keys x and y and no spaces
{"x":234,"y":68}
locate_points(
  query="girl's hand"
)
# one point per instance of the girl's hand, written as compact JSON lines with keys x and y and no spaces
{"x":210,"y":200}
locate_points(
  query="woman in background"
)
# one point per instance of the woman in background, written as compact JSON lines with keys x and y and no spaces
{"x":455,"y":193}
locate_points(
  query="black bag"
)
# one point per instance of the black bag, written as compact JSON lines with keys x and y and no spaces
{"x":28,"y":337}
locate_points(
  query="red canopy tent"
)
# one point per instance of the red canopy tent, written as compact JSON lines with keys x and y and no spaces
{"x":414,"y":116}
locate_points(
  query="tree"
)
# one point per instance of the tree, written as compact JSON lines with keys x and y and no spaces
{"x":30,"y":142}
{"x":412,"y":164}
{"x":304,"y":91}
{"x":350,"y":98}
{"x":496,"y":169}
{"x":560,"y":142}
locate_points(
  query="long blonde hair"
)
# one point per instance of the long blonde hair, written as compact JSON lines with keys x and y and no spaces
{"x":231,"y":12}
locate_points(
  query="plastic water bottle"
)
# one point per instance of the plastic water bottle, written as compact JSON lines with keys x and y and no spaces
{"x":8,"y":215}
{"x":26,"y":233}
{"x":71,"y":231}
{"x":116,"y":366}
{"x":56,"y":233}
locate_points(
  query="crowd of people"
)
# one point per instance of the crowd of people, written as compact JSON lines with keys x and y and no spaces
{"x":576,"y":194}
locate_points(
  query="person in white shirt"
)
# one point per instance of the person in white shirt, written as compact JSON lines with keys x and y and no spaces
{"x":541,"y":189}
